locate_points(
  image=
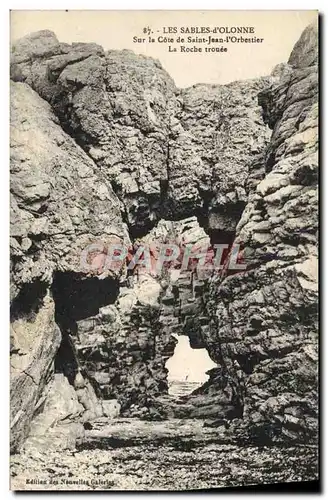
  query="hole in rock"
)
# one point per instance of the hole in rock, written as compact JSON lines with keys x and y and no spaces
{"x":77,"y":298}
{"x":187,"y":367}
{"x":219,"y":237}
{"x":220,"y":225}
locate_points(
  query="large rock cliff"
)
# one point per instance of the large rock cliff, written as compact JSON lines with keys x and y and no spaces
{"x":265,"y":320}
{"x":105,"y":148}
{"x":59,"y":204}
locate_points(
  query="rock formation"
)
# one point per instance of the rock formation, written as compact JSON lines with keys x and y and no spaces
{"x":105,"y":148}
{"x":266,"y":319}
{"x":58,"y":206}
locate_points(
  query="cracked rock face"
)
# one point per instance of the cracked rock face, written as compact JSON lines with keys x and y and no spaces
{"x":35,"y":339}
{"x":59,"y":205}
{"x":218,"y":143}
{"x":147,"y":136}
{"x":267,"y":317}
{"x":105,"y":148}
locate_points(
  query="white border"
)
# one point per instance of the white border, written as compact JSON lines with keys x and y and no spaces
{"x":168,"y":5}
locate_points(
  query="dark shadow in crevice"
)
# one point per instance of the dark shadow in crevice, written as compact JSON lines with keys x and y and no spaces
{"x":230,"y":215}
{"x":66,"y":361}
{"x":29,"y":300}
{"x":77,"y":298}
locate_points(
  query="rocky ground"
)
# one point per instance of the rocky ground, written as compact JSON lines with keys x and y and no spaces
{"x":131,"y":454}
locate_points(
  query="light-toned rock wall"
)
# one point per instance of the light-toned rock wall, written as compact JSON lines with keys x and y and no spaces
{"x":265,"y":320}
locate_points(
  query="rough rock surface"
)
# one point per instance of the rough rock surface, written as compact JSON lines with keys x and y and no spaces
{"x":146,"y":135}
{"x":60,"y":415}
{"x":105,"y":148}
{"x":35,"y":339}
{"x":59,"y":204}
{"x":218,"y":143}
{"x":265,"y":320}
